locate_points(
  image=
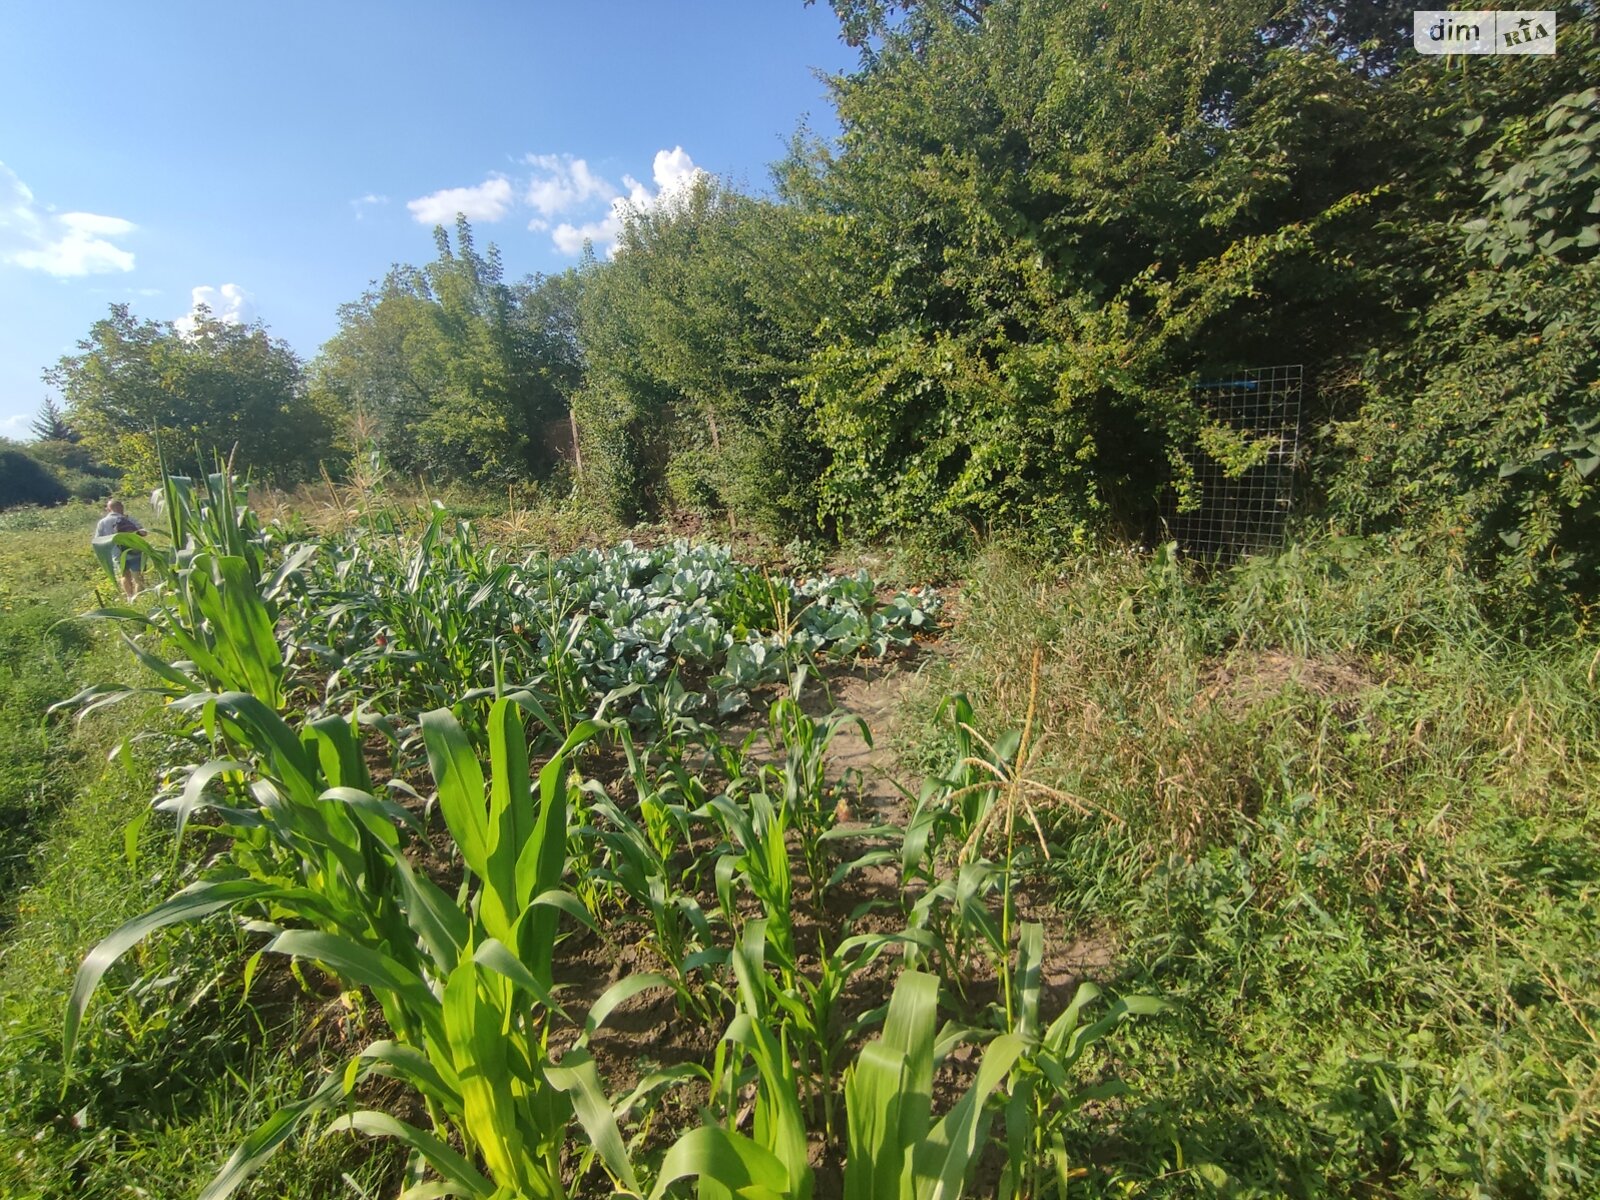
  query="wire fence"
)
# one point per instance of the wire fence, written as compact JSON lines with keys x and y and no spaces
{"x":1245,"y":513}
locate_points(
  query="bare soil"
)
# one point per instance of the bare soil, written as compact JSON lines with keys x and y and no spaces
{"x":1241,"y":681}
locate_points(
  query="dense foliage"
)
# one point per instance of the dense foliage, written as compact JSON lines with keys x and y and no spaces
{"x":985,"y":304}
{"x":52,"y":468}
{"x":26,"y":480}
{"x":1483,"y":431}
{"x":693,"y":337}
{"x":1044,"y":219}
{"x":452,"y":372}
{"x":141,"y":389}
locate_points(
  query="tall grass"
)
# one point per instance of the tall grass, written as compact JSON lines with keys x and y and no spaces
{"x":155,"y":1095}
{"x":1355,"y":839}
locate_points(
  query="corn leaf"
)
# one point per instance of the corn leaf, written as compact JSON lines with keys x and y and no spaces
{"x":461,"y":1176}
{"x":473,"y":1029}
{"x":460,"y":782}
{"x":577,"y":1077}
{"x":194,"y":902}
{"x":941,"y":1162}
{"x":730,"y":1160}
{"x":265,"y":1139}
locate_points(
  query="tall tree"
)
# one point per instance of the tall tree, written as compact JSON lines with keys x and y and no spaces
{"x":50,"y":425}
{"x":1045,"y":217}
{"x":454,"y":371}
{"x":381,"y":371}
{"x":218,"y":388}
{"x":693,"y":342}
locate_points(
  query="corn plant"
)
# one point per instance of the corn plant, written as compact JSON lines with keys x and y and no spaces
{"x":214,"y":515}
{"x":465,"y":984}
{"x":955,"y":804}
{"x":418,"y":623}
{"x":896,"y":1150}
{"x":993,"y":785}
{"x":1041,"y":1093}
{"x":772,"y":1160}
{"x":807,"y":1012}
{"x":953,"y":920}
{"x":684,"y":938}
{"x":308,"y":842}
{"x":799,"y":781}
{"x":756,"y":852}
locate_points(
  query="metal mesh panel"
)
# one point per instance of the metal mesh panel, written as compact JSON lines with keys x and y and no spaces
{"x":1245,"y":514}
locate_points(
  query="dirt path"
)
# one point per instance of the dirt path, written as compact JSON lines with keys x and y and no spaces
{"x":874,"y":694}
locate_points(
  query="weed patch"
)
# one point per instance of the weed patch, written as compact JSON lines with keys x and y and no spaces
{"x":1357,"y":849}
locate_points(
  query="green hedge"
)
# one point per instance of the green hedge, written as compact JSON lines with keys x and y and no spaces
{"x":23,"y":480}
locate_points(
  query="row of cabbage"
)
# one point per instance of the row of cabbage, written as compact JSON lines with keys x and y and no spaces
{"x":706,"y":868}
{"x":410,"y":622}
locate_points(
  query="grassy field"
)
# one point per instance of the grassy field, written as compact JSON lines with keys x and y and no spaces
{"x":155,"y":1098}
{"x":1319,"y":803}
{"x":1351,"y":829}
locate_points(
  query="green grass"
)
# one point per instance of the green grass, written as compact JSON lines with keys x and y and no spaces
{"x":1351,"y":829}
{"x":154,"y":1102}
{"x":46,"y":573}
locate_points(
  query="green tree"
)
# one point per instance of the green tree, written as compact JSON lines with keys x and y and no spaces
{"x":1482,"y":432}
{"x":1035,"y":222}
{"x":50,"y":425}
{"x":382,"y":369}
{"x":1044,"y":218}
{"x":453,"y":371}
{"x":693,"y":341}
{"x":219,"y":388}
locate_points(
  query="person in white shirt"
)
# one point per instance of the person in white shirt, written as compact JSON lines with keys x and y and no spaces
{"x":117,"y":521}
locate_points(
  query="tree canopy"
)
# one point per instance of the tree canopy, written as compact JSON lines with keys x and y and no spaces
{"x":1045,"y":219}
{"x":986,"y":303}
{"x":453,"y":372}
{"x":140,"y":389}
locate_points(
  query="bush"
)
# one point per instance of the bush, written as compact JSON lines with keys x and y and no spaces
{"x":616,"y":475}
{"x":695,"y":483}
{"x":25,"y":480}
{"x":1484,"y":435}
{"x":71,"y":458}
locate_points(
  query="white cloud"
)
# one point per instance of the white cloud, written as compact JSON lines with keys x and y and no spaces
{"x":675,"y":175}
{"x":569,"y":238}
{"x":675,"y":171}
{"x":564,"y":197}
{"x":603,"y":233}
{"x":360,"y":204}
{"x":230,"y":304}
{"x":18,"y":426}
{"x":489,"y":201}
{"x":37,"y":238}
{"x":563,"y":184}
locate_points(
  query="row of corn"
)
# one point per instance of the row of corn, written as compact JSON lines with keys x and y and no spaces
{"x":703,"y":857}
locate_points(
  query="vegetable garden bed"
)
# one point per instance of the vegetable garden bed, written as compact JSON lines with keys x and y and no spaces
{"x":579,"y":913}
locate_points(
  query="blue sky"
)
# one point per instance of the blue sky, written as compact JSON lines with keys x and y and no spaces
{"x":281,"y":156}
